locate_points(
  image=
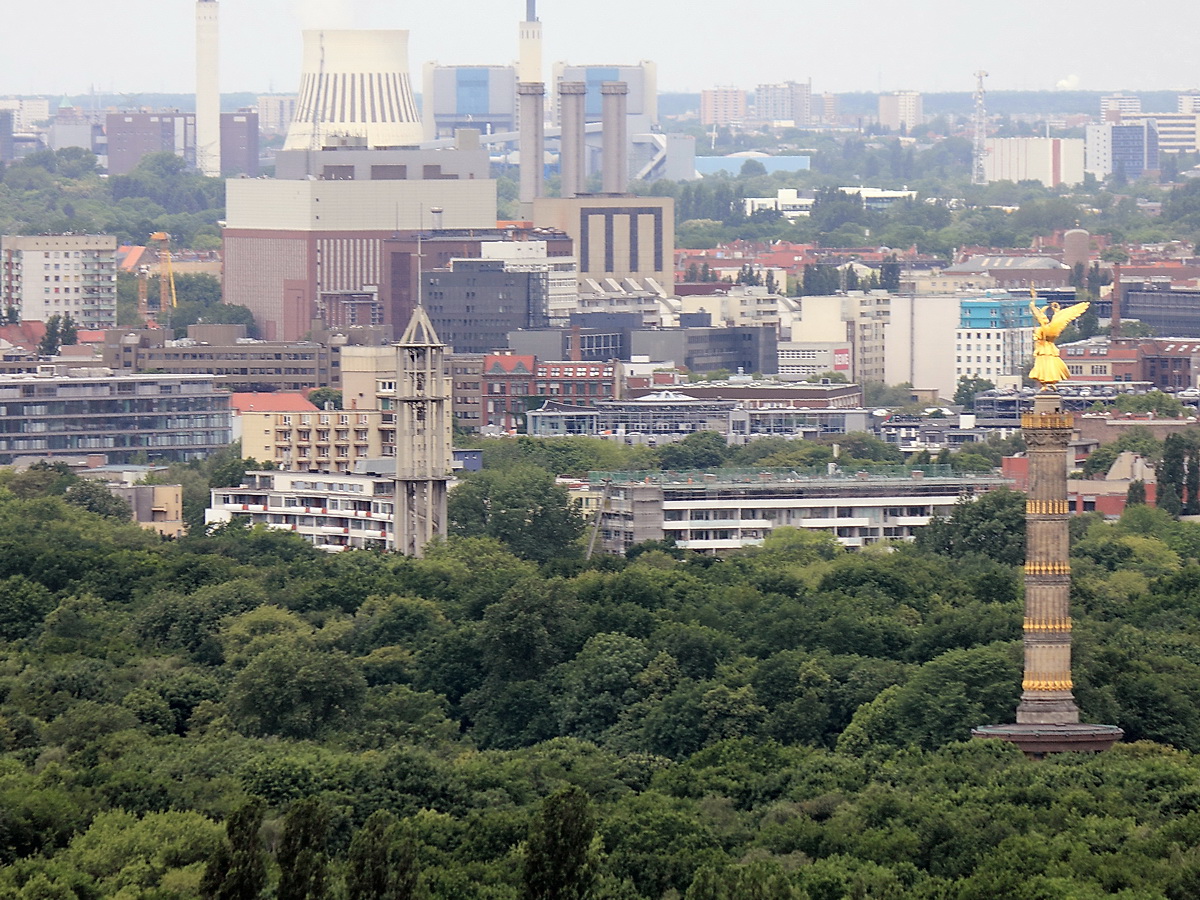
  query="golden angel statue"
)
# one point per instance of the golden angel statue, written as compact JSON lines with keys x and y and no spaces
{"x":1048,"y":367}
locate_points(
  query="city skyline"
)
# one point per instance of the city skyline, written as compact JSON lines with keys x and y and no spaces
{"x":935,"y":47}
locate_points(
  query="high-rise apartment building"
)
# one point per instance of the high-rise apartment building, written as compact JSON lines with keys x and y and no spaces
{"x":27,"y":111}
{"x":60,"y":274}
{"x":787,"y":102}
{"x":275,"y":112}
{"x":722,"y":106}
{"x":1114,"y":107}
{"x":901,"y":110}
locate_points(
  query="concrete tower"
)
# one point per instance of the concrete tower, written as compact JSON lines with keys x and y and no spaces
{"x":423,"y":433}
{"x":615,"y":166}
{"x":1047,"y":717}
{"x":529,"y":38}
{"x":208,"y":88}
{"x":573,"y":150}
{"x":355,"y":85}
{"x":531,"y":108}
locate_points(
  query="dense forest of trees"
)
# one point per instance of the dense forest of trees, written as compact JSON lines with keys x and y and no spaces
{"x":62,"y":191}
{"x":237,"y":715}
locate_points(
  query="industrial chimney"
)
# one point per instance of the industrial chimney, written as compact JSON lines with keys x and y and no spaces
{"x":208,"y":89}
{"x":355,"y":84}
{"x":572,"y":159}
{"x":616,"y":136}
{"x":532,"y":110}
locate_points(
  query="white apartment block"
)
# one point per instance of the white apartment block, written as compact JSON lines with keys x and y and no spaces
{"x":27,"y":113}
{"x":991,"y":353}
{"x":901,"y":110}
{"x":275,"y":112}
{"x":333,"y":512}
{"x":860,"y":317}
{"x":727,"y":509}
{"x":790,"y":102}
{"x":1114,"y":107}
{"x":63,"y":274}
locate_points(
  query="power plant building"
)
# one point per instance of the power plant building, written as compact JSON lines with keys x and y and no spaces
{"x":307,"y":246}
{"x":642,"y":79}
{"x":482,"y":97}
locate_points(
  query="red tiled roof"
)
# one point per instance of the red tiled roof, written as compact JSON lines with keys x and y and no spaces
{"x":27,"y":334}
{"x":269,"y":402}
{"x":507,"y":363}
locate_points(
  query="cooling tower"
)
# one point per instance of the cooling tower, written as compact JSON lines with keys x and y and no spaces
{"x":208,"y":90}
{"x":355,"y":84}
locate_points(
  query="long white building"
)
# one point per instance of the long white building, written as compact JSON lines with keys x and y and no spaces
{"x":726,"y":509}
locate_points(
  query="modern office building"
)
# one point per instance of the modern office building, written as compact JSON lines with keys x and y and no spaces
{"x":727,"y":509}
{"x":1178,"y":132}
{"x":60,"y":274}
{"x":542,"y":250}
{"x":1129,"y":150}
{"x":475,"y":303}
{"x":901,"y":110}
{"x":1050,"y":161}
{"x":68,"y":412}
{"x":454,"y":97}
{"x":134,"y":135}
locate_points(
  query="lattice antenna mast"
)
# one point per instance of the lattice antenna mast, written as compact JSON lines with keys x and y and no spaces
{"x":978,"y":175}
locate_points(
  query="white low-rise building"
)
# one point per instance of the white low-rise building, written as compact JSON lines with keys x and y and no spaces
{"x":727,"y":509}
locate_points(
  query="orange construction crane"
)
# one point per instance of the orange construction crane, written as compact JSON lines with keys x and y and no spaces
{"x":166,"y":275}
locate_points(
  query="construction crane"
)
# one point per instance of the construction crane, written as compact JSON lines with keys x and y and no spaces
{"x":167,"y":300}
{"x":978,"y":170}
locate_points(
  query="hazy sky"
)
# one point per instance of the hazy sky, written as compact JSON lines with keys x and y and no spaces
{"x":68,"y":46}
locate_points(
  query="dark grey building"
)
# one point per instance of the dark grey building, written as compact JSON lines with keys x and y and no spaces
{"x":78,"y":411}
{"x":744,"y":348}
{"x":476,"y":302}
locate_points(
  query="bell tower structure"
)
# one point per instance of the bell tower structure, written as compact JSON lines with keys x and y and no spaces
{"x":423,"y":436}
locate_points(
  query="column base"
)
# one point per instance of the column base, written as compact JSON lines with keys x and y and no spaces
{"x":1047,"y":711}
{"x":1038,"y":741}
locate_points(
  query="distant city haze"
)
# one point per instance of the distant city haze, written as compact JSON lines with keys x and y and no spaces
{"x":70,"y":46}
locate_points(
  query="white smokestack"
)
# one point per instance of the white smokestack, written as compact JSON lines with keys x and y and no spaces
{"x":355,"y":84}
{"x":208,"y":88}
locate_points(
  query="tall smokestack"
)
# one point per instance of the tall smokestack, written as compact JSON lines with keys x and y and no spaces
{"x":529,"y":44}
{"x":616,"y":136}
{"x":572,"y":159}
{"x":208,"y":88}
{"x":532,"y":97}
